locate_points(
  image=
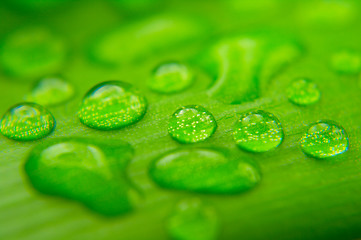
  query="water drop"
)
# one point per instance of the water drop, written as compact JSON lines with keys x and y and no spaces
{"x":204,"y":170}
{"x":32,"y":52}
{"x":191,"y":124}
{"x":193,"y":220}
{"x":88,"y":171}
{"x":51,"y":91}
{"x":346,"y":62}
{"x":258,"y":131}
{"x":324,"y":139}
{"x":27,"y":121}
{"x":112,"y":105}
{"x":303,"y":91}
{"x":170,"y":78}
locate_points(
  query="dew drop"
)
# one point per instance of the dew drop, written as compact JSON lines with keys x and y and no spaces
{"x":193,"y":220}
{"x":51,"y":91}
{"x":191,"y":124}
{"x":204,"y":170}
{"x":258,"y":131}
{"x":88,"y":171}
{"x":32,"y":52}
{"x":324,"y":139}
{"x":27,"y":121}
{"x":170,"y":78}
{"x":346,"y":62}
{"x":112,"y":105}
{"x":303,"y":91}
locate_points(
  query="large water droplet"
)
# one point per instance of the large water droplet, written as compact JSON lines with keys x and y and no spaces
{"x":87,"y":171}
{"x":324,"y":139}
{"x":243,"y":66}
{"x":303,"y":91}
{"x":32,"y":52}
{"x":170,"y":78}
{"x":191,"y":124}
{"x":51,"y":91}
{"x":346,"y":62}
{"x":204,"y":170}
{"x":258,"y":131}
{"x":193,"y":220}
{"x":112,"y":105}
{"x":27,"y":121}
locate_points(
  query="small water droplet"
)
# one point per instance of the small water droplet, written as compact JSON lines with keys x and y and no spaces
{"x":303,"y":91}
{"x":191,"y":124}
{"x":112,"y":105}
{"x":27,"y":121}
{"x":32,"y":52}
{"x":88,"y":171}
{"x":204,"y":170}
{"x":324,"y":139}
{"x":346,"y":62}
{"x":191,"y":219}
{"x":51,"y":91}
{"x":258,"y":131}
{"x":170,"y":78}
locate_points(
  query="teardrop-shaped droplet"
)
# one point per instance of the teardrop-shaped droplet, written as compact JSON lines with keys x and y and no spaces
{"x":193,"y":220}
{"x":303,"y":91}
{"x":346,"y":62}
{"x":27,"y":121}
{"x":204,"y":170}
{"x":170,"y":78}
{"x":51,"y":91}
{"x":88,"y":171}
{"x":112,"y":105}
{"x":324,"y":139}
{"x":191,"y":124}
{"x":258,"y":131}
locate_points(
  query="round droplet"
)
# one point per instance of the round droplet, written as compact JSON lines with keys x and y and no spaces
{"x":51,"y":91}
{"x":112,"y":105}
{"x":27,"y":121}
{"x":88,"y":171}
{"x":204,"y":170}
{"x":32,"y":52}
{"x":258,"y":131}
{"x":324,"y":139}
{"x":346,"y":62}
{"x":191,"y":219}
{"x":191,"y":124}
{"x":303,"y":92}
{"x":170,"y":78}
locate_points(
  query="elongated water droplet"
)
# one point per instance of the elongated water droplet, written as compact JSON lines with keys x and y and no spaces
{"x":51,"y":91}
{"x":204,"y":170}
{"x":27,"y":121}
{"x":112,"y":105}
{"x":191,"y":124}
{"x":303,"y":91}
{"x":324,"y":139}
{"x":193,"y":220}
{"x":346,"y":62}
{"x":258,"y":131}
{"x":32,"y":52}
{"x":88,"y":171}
{"x":170,"y":78}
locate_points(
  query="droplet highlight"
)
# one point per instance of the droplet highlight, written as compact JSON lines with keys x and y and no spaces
{"x":192,"y":219}
{"x":204,"y":170}
{"x":324,"y":139}
{"x":88,"y":171}
{"x":258,"y":131}
{"x":171,"y":78}
{"x":191,"y":124}
{"x":27,"y":121}
{"x":303,"y":91}
{"x":112,"y":105}
{"x":346,"y":62}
